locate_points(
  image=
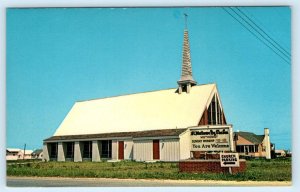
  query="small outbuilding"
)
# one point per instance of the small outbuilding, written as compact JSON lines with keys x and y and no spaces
{"x":18,"y":154}
{"x":12,"y":153}
{"x":37,"y":154}
{"x":280,"y":153}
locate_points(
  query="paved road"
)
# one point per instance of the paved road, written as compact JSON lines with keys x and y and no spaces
{"x":102,"y":182}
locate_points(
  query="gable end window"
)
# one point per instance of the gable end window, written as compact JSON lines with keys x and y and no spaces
{"x":214,"y":112}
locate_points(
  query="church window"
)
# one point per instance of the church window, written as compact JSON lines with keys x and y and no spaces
{"x":106,"y":151}
{"x":87,"y":149}
{"x":214,"y":112}
{"x":70,"y":150}
{"x":53,"y":150}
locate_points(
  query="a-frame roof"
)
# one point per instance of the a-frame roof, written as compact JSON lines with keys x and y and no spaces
{"x":251,"y":137}
{"x":164,"y":109}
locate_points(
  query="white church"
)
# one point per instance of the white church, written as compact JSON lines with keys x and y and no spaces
{"x":149,"y":126}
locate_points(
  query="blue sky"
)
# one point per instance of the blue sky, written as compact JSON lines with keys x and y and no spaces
{"x":57,"y":56}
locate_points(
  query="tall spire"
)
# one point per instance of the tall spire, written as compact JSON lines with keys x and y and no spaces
{"x":186,"y":81}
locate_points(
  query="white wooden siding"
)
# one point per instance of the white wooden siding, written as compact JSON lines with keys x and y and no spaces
{"x":143,"y":150}
{"x":45,"y":152}
{"x":114,"y":149}
{"x":169,"y":149}
{"x":128,"y":149}
{"x":185,"y":145}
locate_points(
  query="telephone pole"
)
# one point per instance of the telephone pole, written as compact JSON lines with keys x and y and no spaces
{"x":24,"y":151}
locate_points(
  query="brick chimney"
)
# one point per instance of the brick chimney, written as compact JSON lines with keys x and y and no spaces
{"x":267,"y":143}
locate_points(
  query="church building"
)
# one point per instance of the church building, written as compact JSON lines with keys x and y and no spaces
{"x":148,"y":126}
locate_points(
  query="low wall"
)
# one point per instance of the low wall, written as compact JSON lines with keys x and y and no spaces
{"x":209,"y":166}
{"x":203,"y":155}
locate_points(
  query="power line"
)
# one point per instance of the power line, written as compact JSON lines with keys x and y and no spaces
{"x":263,"y":31}
{"x":260,"y":33}
{"x":262,"y":37}
{"x":283,"y":44}
{"x":255,"y":35}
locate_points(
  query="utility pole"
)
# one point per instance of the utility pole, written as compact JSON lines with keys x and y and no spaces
{"x":24,"y":151}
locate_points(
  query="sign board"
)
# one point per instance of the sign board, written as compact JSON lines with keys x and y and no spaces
{"x":229,"y":160}
{"x":210,"y":139}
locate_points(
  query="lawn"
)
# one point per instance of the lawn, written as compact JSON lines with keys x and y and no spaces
{"x":257,"y":170}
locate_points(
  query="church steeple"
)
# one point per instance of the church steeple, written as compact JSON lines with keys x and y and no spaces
{"x":186,"y":81}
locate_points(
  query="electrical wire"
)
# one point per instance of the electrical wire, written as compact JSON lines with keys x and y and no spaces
{"x":260,"y":34}
{"x":255,"y":35}
{"x":263,"y":31}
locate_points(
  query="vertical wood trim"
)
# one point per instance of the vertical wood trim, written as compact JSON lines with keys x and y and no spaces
{"x":223,"y":119}
{"x":204,"y":118}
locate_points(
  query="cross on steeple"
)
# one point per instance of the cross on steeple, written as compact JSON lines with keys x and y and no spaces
{"x":186,"y":81}
{"x":185,"y":20}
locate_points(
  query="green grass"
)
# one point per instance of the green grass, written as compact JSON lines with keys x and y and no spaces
{"x":257,"y":170}
{"x":23,"y":161}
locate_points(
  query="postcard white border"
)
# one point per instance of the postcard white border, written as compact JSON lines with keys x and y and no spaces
{"x":295,"y":6}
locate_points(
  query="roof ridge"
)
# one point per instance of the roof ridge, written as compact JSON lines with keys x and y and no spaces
{"x":139,"y":93}
{"x":251,"y":137}
{"x":247,"y":132}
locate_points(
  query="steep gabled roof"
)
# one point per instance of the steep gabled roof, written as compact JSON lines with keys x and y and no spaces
{"x":253,"y":138}
{"x":155,"y":110}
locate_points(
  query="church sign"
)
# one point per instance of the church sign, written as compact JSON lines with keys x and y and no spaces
{"x":229,"y":160}
{"x":210,"y":139}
